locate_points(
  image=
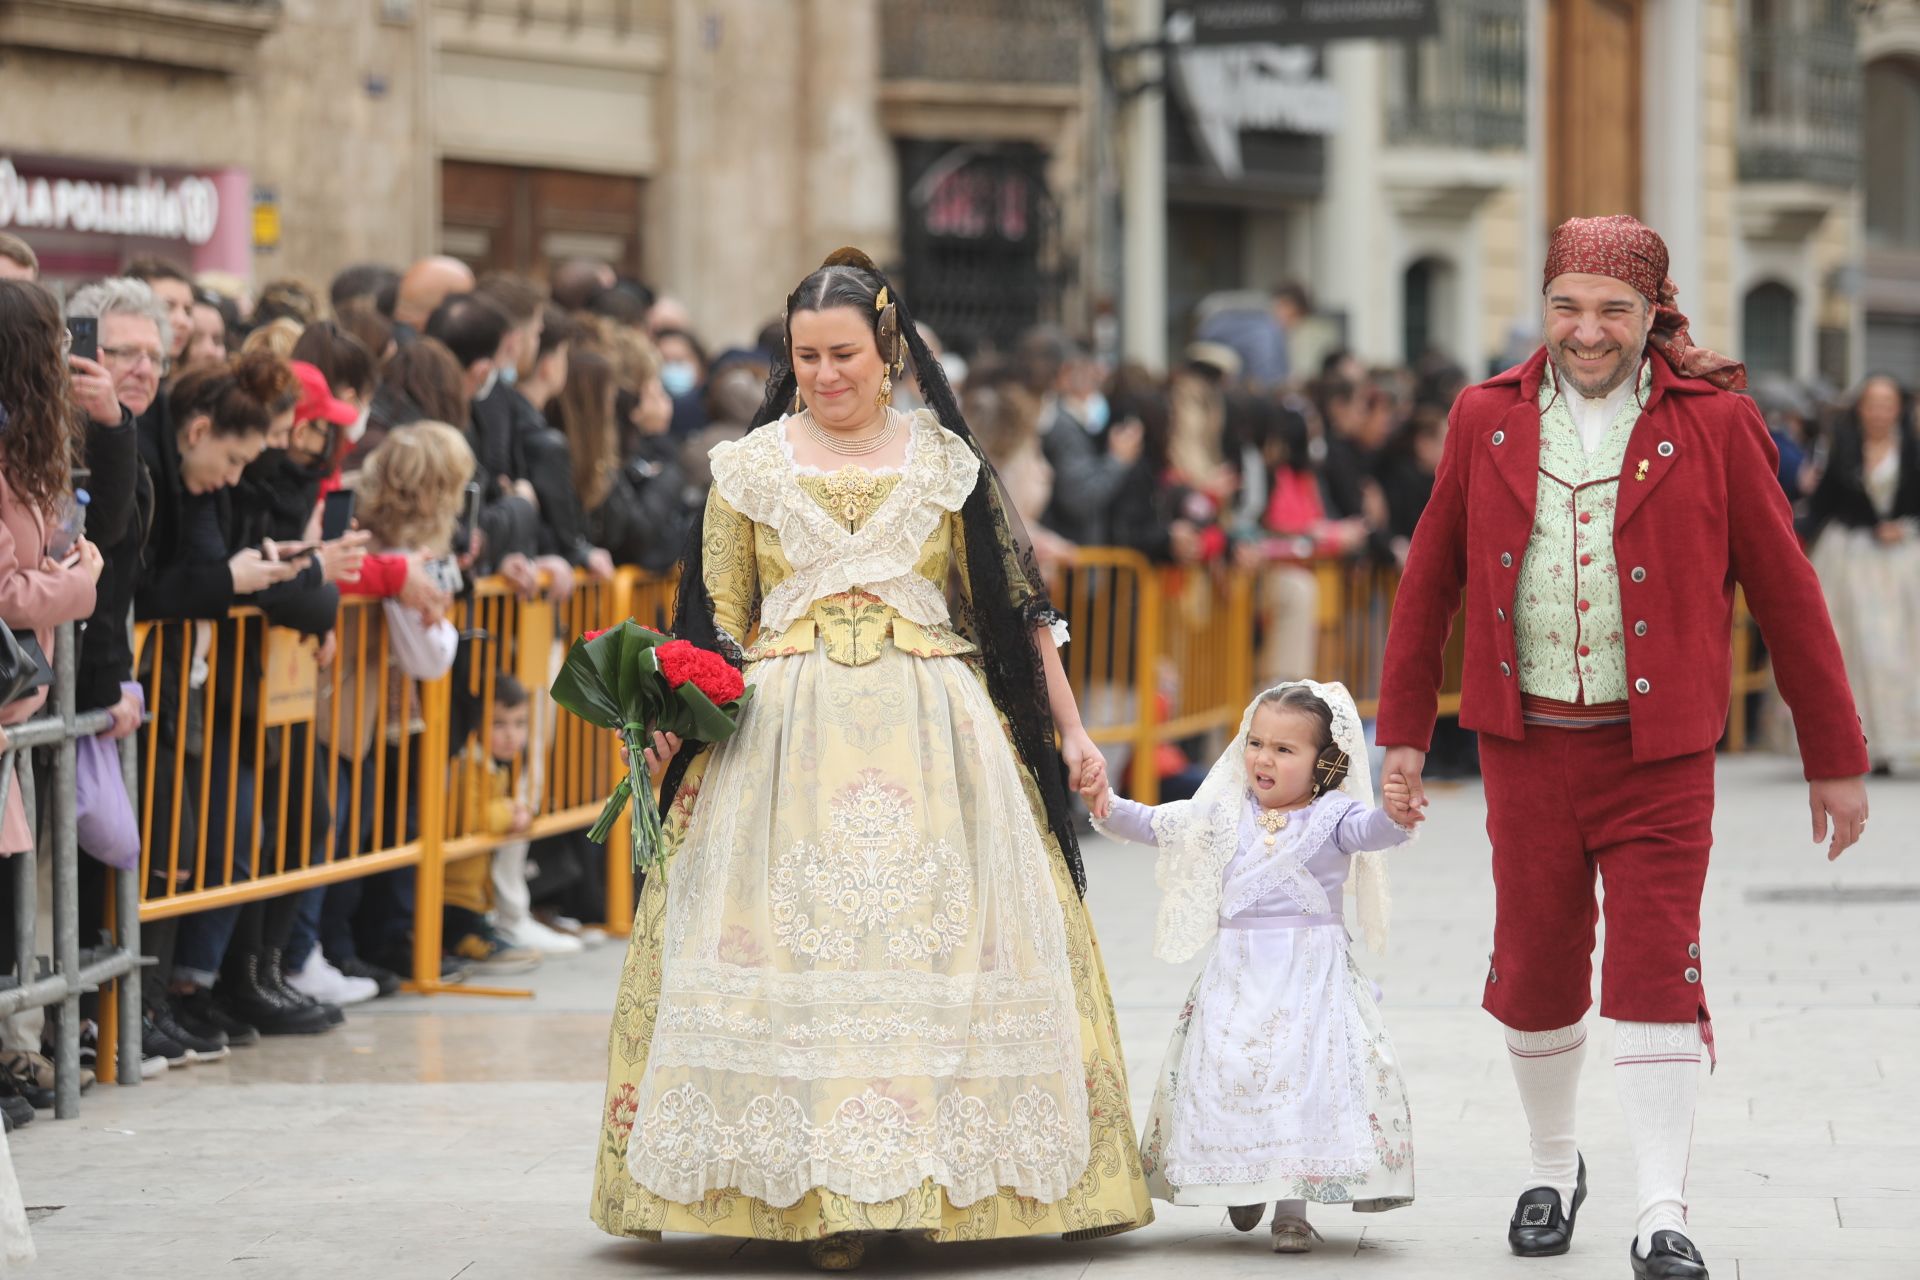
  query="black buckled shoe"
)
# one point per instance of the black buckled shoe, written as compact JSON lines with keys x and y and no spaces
{"x":1672,"y":1257}
{"x":1539,"y":1228}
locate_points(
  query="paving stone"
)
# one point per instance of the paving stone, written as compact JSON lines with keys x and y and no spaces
{"x":453,"y":1136}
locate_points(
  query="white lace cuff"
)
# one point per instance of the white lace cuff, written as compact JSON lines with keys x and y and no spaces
{"x":1058,"y":629}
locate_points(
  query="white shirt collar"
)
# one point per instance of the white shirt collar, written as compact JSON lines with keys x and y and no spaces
{"x":1592,"y":417}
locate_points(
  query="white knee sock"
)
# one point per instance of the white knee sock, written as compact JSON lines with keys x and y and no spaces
{"x":1656,"y":1066}
{"x":1546,"y":1067}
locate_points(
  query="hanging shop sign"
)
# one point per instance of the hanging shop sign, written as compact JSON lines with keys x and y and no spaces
{"x":1230,"y":88}
{"x":1215,"y":22}
{"x":184,"y":208}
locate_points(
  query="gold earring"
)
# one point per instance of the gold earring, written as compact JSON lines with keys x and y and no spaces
{"x":886,"y":390}
{"x":799,"y":405}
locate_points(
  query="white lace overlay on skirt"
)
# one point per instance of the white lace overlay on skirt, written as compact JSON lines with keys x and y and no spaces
{"x":1280,"y":1082}
{"x":864,"y":980}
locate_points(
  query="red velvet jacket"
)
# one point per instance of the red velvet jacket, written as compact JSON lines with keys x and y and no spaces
{"x":1708,"y":514}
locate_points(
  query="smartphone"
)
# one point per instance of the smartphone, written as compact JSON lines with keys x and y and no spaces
{"x":295,"y":552}
{"x":469,"y":519}
{"x":85,"y":331}
{"x":336,"y":514}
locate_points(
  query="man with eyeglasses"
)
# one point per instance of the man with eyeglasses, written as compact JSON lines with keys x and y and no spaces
{"x":133,"y":338}
{"x":114,"y":391}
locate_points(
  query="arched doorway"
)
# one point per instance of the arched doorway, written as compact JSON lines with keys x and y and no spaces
{"x":1768,"y":319}
{"x":1428,"y":297}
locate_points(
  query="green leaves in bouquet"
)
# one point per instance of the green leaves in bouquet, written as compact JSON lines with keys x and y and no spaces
{"x":704,"y":721}
{"x":610,"y":679}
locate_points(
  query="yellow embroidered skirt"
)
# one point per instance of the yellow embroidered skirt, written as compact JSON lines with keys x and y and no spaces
{"x":837,"y":771}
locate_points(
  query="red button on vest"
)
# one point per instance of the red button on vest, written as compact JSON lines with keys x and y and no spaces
{"x":1586,"y":517}
{"x":1584,"y":606}
{"x":1584,"y":651}
{"x":1585,"y":559}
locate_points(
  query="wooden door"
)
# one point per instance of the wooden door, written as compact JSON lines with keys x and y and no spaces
{"x":1593,"y":92}
{"x":500,"y":217}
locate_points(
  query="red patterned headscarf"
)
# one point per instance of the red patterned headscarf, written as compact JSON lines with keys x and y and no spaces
{"x":1628,"y":250}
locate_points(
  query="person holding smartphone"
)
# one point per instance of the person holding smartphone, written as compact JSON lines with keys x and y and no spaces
{"x":111,"y":399}
{"x":38,"y":434}
{"x":195,"y":567}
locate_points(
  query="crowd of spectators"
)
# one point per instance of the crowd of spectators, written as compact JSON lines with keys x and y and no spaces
{"x":535,"y":429}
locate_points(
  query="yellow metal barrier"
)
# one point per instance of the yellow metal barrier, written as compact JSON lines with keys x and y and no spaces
{"x":230,"y":801}
{"x":354,"y":770}
{"x":1355,"y":605}
{"x":1752,"y":672}
{"x":342,"y":772}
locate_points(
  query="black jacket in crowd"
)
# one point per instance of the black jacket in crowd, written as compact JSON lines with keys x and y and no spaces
{"x":512,"y":441}
{"x":121,"y":504}
{"x":1842,"y":494}
{"x":645,"y":518}
{"x":181,"y":578}
{"x":1085,"y":480}
{"x":1343,"y":479}
{"x":175,"y":580}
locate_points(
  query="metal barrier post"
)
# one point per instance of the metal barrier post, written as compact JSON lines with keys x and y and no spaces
{"x":429,"y":891}
{"x":619,"y":855}
{"x":26,"y":877}
{"x":126,"y":909}
{"x":66,"y":884}
{"x":1146,"y":700}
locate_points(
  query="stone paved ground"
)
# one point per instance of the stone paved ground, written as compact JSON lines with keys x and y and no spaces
{"x":453,"y":1137}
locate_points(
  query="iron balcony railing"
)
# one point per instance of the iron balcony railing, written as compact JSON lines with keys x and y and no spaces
{"x":1026,"y":42}
{"x":1467,"y":86}
{"x":620,"y":16}
{"x":1800,"y":105}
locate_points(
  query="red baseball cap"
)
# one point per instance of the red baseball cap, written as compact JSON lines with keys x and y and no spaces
{"x":317,"y":401}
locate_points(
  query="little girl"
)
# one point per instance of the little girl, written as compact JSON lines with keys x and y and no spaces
{"x":409,"y":499}
{"x":1280,"y":1082}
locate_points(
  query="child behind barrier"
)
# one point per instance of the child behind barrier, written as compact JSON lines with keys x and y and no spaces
{"x":490,"y":805}
{"x":410,"y":495}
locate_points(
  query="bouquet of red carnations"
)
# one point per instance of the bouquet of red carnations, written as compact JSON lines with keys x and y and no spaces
{"x":636,"y":682}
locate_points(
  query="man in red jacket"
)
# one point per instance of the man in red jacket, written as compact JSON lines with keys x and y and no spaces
{"x":1597,"y":506}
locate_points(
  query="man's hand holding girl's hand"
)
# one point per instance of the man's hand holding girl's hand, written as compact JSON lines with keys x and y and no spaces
{"x":1398,"y":794}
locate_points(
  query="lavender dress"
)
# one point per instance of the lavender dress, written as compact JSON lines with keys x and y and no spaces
{"x":1280,"y":1082}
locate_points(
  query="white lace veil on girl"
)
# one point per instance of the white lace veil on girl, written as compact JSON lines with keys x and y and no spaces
{"x":1199,"y":837}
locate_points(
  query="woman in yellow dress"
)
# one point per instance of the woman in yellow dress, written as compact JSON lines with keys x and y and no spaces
{"x":865,"y":994}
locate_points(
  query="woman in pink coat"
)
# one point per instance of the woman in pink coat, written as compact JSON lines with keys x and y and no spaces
{"x":40,"y":436}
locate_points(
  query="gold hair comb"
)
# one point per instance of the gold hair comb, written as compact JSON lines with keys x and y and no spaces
{"x":880,"y":300}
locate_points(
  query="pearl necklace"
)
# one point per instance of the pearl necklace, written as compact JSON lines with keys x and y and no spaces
{"x":830,"y":440}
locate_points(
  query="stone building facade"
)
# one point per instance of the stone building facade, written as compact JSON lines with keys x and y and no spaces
{"x":717,"y":148}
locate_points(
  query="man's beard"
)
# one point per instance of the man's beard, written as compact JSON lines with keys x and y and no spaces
{"x":1562,"y":365}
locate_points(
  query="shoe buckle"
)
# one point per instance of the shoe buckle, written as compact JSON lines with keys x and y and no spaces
{"x":1682,"y":1248}
{"x":1536,"y":1215}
